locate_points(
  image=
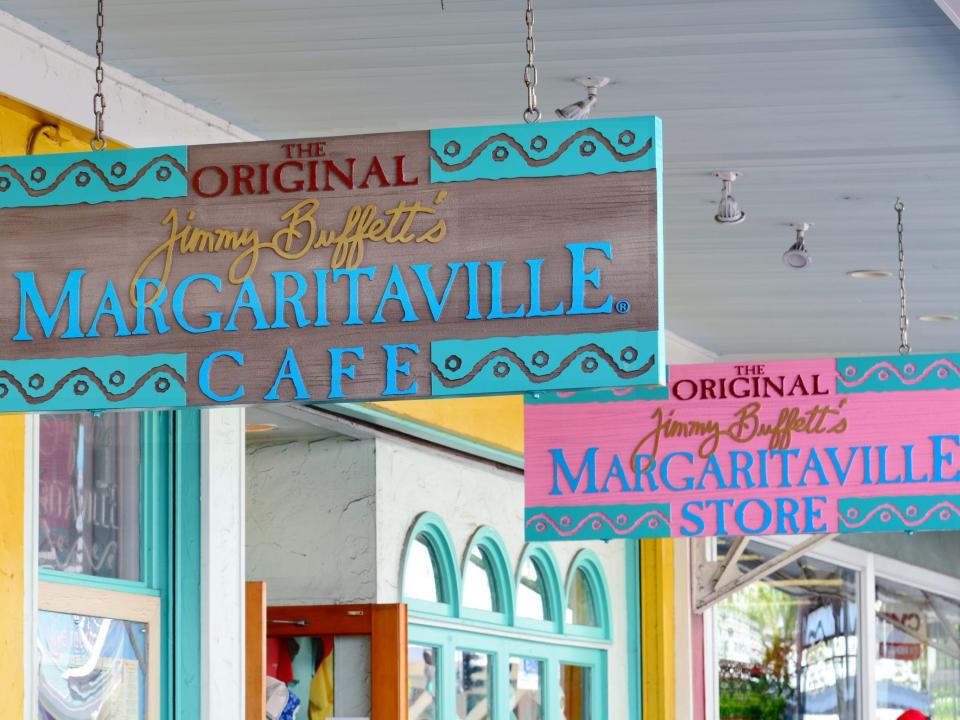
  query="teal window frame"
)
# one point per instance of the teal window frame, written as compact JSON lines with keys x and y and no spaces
{"x":589,"y":563}
{"x":447,"y":626}
{"x":546,"y":563}
{"x":169,"y":552}
{"x":489,"y":542}
{"x":432,"y":527}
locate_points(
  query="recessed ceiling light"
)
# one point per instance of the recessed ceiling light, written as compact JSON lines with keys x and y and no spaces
{"x":868,"y":274}
{"x":937,"y":318}
{"x":260,"y":427}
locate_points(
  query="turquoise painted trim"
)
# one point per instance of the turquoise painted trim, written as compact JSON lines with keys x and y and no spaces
{"x":519,"y":364}
{"x":416,"y":429}
{"x":490,"y":542}
{"x":448,"y":640}
{"x":895,"y":373}
{"x":904,"y":512}
{"x":435,"y":530}
{"x":592,"y":567}
{"x":97,"y":583}
{"x":183,"y":612}
{"x":93,"y":177}
{"x":599,"y":395}
{"x":597,"y":522}
{"x":554,"y":149}
{"x":634,"y":631}
{"x":545,"y":561}
{"x":111,"y":382}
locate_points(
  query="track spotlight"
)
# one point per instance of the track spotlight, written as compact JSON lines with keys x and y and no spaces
{"x":729,"y":212}
{"x":581,"y":109}
{"x":796,"y":256}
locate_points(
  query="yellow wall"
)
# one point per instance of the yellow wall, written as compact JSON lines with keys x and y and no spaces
{"x":496,"y":421}
{"x":657,"y":641}
{"x":23,"y":130}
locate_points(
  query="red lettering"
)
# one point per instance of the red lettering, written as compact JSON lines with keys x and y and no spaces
{"x":312,"y":165}
{"x":243,"y":178}
{"x":375,"y":169}
{"x":264,"y":169}
{"x":221,"y":174}
{"x":345,"y":178}
{"x":297,"y":185}
{"x":399,"y":178}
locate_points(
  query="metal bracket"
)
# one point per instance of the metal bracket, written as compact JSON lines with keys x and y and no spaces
{"x":717,"y":579}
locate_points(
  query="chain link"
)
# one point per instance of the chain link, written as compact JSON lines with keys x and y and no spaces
{"x":904,"y":322}
{"x":532,"y":113}
{"x":99,"y":142}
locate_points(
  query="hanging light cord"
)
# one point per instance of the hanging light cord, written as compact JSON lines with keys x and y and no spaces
{"x":98,"y":142}
{"x":532,"y":113}
{"x":904,"y":343}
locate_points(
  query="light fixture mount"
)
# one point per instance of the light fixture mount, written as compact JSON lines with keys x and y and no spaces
{"x":796,"y":256}
{"x":580,"y":110}
{"x":728,"y":212}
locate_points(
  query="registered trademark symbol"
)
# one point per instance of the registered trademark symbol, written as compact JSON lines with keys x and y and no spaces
{"x":622,"y":306}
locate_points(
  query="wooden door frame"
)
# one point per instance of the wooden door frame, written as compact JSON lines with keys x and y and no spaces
{"x":385,"y":625}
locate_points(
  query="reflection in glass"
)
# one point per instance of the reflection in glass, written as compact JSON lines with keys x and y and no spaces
{"x":788,"y":644}
{"x":421,"y":577}
{"x":422,"y":682}
{"x":575,"y":692}
{"x":918,"y":653}
{"x":582,"y":605}
{"x":474,"y":690}
{"x":89,"y":516}
{"x":91,"y":667}
{"x":479,"y":585}
{"x":526,"y":686}
{"x":531,"y":593}
{"x":307,"y":665}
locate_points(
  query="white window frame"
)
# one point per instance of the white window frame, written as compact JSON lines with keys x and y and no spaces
{"x":870,"y":566}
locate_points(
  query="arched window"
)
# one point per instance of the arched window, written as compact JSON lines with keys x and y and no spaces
{"x":487,"y":586}
{"x":587,"y":612}
{"x":539,"y":596}
{"x":430,"y":578}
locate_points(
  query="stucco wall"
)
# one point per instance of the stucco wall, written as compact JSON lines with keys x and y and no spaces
{"x":310,"y":521}
{"x":468,"y":494}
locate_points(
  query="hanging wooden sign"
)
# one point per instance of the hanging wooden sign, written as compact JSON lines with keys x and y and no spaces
{"x":437,"y":263}
{"x":805,"y":447}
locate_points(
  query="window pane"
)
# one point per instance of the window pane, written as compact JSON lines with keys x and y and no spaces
{"x":89,"y":516}
{"x":575,"y":692}
{"x":479,"y":585}
{"x":91,"y":667}
{"x":422,"y":682}
{"x":531,"y":593}
{"x":421,"y":578}
{"x":582,"y":605}
{"x":474,"y":692}
{"x":918,"y":657}
{"x":788,"y":645}
{"x":526,"y":686}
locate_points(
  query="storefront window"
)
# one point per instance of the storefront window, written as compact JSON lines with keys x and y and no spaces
{"x":479,"y":585}
{"x":918,"y":652}
{"x":787,"y":645}
{"x":421,"y":579}
{"x":474,"y":691}
{"x":91,"y":667}
{"x":575,"y":692}
{"x":422,"y":682}
{"x":526,"y":685}
{"x":89,"y":517}
{"x":581,"y":604}
{"x":531,"y":593}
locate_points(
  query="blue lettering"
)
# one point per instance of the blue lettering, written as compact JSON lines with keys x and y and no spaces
{"x":940,"y":457}
{"x":737,"y":468}
{"x":496,"y":294}
{"x":395,"y":368}
{"x":665,"y":474}
{"x":787,"y":509}
{"x":247,"y":299}
{"x":588,"y":466}
{"x":156,"y":306}
{"x":765,"y":517}
{"x":396,"y":290}
{"x":109,"y":305}
{"x":814,"y":514}
{"x":815,"y":466}
{"x":353,"y":303}
{"x":696,"y":521}
{"x":617,"y":472}
{"x":337,"y":369}
{"x":282,"y":299}
{"x":69,"y":296}
{"x":423,"y":275}
{"x":536,"y":266}
{"x":178,"y":296}
{"x":203,"y":379}
{"x":579,"y":279}
{"x":289,"y":370}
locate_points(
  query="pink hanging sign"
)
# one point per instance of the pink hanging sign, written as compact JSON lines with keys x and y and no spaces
{"x":787,"y":448}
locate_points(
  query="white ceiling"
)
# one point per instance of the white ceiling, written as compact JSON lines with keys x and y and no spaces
{"x":830,"y":108}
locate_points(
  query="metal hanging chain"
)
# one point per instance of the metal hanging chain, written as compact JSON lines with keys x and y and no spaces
{"x":532,"y":113}
{"x":904,"y":344}
{"x":99,"y":142}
